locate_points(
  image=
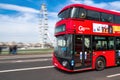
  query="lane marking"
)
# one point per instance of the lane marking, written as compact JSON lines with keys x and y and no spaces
{"x":29,"y":60}
{"x":24,"y":56}
{"x":114,"y":75}
{"x":25,"y":69}
{"x":32,"y":60}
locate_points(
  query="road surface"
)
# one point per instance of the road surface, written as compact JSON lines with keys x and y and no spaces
{"x":39,"y":67}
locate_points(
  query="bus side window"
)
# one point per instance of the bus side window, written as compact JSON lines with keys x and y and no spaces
{"x":118,"y":43}
{"x":111,"y":47}
{"x":117,"y":19}
{"x":118,"y":46}
{"x":106,"y":17}
{"x":93,"y":15}
{"x":95,"y":45}
{"x":111,"y":43}
{"x":82,"y":13}
{"x":105,"y":47}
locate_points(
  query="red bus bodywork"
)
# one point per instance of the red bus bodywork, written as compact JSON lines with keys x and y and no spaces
{"x":87,"y":27}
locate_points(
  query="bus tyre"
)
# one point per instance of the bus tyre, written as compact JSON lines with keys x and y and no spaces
{"x":100,"y":64}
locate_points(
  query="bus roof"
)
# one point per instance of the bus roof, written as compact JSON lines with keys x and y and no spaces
{"x":91,"y":8}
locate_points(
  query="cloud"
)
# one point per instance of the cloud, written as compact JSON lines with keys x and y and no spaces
{"x":105,"y":5}
{"x":20,"y":28}
{"x":18,"y":8}
{"x":23,"y":26}
{"x":114,"y":5}
{"x":23,"y":9}
{"x":76,"y":1}
{"x":52,"y":14}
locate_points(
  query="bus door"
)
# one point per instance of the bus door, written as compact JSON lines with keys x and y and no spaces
{"x":118,"y":50}
{"x":83,"y":52}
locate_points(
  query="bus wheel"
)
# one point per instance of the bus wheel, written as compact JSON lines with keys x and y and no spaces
{"x":100,"y":64}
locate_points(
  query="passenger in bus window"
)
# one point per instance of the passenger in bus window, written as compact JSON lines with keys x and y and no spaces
{"x":105,"y":46}
{"x":111,"y":46}
{"x":110,"y":19}
{"x":94,"y":45}
{"x":82,"y":15}
{"x":118,"y":46}
{"x":99,"y":47}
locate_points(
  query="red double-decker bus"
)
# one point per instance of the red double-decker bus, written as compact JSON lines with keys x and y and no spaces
{"x":87,"y":38}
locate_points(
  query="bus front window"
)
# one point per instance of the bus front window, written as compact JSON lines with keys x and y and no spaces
{"x":78,"y":13}
{"x":64,"y":14}
{"x":74,"y":12}
{"x":64,"y":46}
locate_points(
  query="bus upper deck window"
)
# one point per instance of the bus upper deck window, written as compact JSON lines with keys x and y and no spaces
{"x":82,"y":13}
{"x":106,"y":17}
{"x":74,"y":12}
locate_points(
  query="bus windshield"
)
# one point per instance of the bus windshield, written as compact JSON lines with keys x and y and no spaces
{"x":74,"y":12}
{"x":64,"y":46}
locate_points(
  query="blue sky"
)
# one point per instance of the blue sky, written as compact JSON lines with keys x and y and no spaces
{"x":19,"y":19}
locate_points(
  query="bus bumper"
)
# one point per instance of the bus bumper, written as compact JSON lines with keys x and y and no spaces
{"x":58,"y":65}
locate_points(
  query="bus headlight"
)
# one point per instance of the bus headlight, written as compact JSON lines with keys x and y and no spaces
{"x":64,"y":63}
{"x":72,"y":62}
